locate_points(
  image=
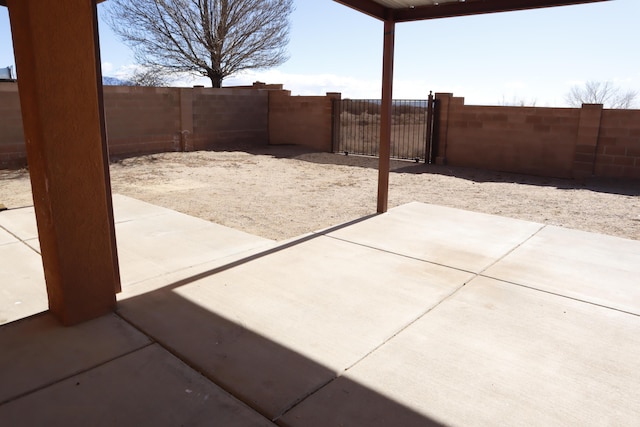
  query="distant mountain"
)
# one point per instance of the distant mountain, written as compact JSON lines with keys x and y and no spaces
{"x":114,"y":81}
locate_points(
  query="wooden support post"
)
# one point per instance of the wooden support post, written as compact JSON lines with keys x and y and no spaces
{"x":57,"y":59}
{"x":385,"y":116}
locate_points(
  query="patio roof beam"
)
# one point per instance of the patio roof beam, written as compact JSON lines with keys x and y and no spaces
{"x":368,"y":7}
{"x":378,"y":10}
{"x":449,"y":10}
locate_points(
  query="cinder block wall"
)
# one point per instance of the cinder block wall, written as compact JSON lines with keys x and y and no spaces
{"x":537,"y":141}
{"x":556,"y":142}
{"x":142,"y":119}
{"x":560,"y":142}
{"x":227,"y":117}
{"x":12,"y":148}
{"x":301,"y":120}
{"x":618,"y":150}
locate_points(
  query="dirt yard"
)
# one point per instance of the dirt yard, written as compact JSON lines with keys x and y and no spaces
{"x":282,"y":192}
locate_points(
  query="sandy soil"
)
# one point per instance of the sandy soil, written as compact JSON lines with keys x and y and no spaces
{"x":282,"y":192}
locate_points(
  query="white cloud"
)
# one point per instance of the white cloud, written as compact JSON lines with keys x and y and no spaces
{"x":311,"y":84}
{"x":576,"y":82}
{"x":349,"y":86}
{"x":515,"y":84}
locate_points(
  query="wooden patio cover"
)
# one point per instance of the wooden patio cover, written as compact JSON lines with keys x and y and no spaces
{"x":58,"y":60}
{"x":415,"y":10}
{"x":392,"y":11}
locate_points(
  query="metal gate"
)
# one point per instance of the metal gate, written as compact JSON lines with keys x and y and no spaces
{"x":356,"y":128}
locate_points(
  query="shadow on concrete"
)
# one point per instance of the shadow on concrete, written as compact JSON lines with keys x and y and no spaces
{"x":277,"y":382}
{"x":274,"y":380}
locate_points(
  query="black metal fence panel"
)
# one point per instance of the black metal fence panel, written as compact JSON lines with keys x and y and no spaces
{"x":356,"y":128}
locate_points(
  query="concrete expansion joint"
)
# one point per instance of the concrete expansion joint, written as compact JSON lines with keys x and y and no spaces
{"x":561,"y":295}
{"x":542,"y":226}
{"x":384,"y":342}
{"x":74,"y":374}
{"x":301,"y":399}
{"x":19,"y":239}
{"x":154,"y":341}
{"x":400,"y":255}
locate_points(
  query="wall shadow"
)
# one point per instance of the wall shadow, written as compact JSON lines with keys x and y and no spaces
{"x":625,"y":187}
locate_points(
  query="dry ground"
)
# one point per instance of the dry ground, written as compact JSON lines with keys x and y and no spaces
{"x":282,"y":192}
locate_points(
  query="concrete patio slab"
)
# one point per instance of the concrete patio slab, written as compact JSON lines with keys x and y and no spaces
{"x":155,"y":245}
{"x":127,"y":209}
{"x":152,"y":242}
{"x":148,"y":387}
{"x":22,"y":288}
{"x":21,"y":222}
{"x":6,"y":237}
{"x":494,"y":353}
{"x":591,"y":267}
{"x":367,"y":323}
{"x":276,"y":328}
{"x":456,"y":238}
{"x":38,"y":351}
{"x":33,"y":244}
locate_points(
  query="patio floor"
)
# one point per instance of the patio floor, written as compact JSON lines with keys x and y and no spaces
{"x":422,"y":316}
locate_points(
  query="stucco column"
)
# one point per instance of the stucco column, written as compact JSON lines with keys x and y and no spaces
{"x":385,"y":116}
{"x":57,"y":59}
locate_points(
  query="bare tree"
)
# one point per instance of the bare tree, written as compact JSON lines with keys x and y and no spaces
{"x":149,"y":77}
{"x":601,"y":93}
{"x":212,"y":38}
{"x":517,"y":102}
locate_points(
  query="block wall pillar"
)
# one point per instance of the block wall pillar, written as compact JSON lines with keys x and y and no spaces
{"x":186,"y":119}
{"x":587,"y":140}
{"x":443,"y":102}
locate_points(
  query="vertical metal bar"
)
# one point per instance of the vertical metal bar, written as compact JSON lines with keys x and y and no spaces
{"x":370,"y":138}
{"x":359,"y":127}
{"x":363,"y":128}
{"x":385,"y":115}
{"x":333,"y":126}
{"x":397,"y":132}
{"x":405,"y":129}
{"x":350,"y":125}
{"x":338,"y":124}
{"x":424,"y":108}
{"x":398,"y":128}
{"x":363,"y":133}
{"x":341,"y":137}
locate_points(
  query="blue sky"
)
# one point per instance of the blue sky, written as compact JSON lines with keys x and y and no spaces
{"x":533,"y":56}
